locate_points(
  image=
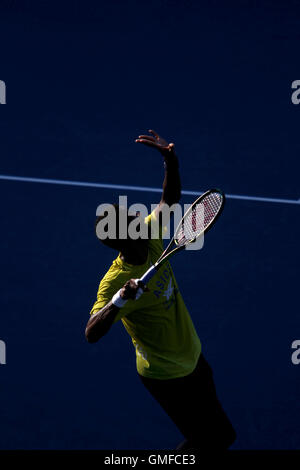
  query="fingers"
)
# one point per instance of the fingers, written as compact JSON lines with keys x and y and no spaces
{"x":128,"y":292}
{"x":142,"y":285}
{"x":145,"y":139}
{"x":142,"y":138}
{"x":149,"y":137}
{"x":154,"y":133}
{"x":133,"y":289}
{"x":150,"y":143}
{"x":155,"y":141}
{"x":141,"y":288}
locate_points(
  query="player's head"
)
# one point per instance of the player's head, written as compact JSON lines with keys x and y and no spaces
{"x":113,"y":240}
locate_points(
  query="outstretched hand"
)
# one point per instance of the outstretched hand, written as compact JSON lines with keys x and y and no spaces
{"x":157,"y":142}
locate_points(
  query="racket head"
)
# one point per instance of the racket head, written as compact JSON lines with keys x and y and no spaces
{"x":200,"y":217}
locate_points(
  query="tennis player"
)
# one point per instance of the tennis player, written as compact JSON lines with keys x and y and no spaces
{"x":169,"y":359}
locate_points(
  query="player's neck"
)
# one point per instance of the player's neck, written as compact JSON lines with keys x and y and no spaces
{"x":136,"y":253}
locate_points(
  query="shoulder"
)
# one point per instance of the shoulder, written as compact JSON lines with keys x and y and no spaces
{"x":116,"y":276}
{"x":157,"y":229}
{"x":112,"y":281}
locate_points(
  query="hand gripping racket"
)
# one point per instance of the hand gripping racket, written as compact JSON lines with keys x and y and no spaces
{"x":197,"y":220}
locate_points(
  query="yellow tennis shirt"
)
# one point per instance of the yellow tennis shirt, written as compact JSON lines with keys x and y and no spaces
{"x":166,"y":343}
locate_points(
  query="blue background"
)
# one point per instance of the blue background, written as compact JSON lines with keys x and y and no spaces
{"x":84,"y":79}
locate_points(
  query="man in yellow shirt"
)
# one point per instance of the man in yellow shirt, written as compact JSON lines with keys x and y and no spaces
{"x":168,"y":350}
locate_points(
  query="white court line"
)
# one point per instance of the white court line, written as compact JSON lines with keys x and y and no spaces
{"x":138,"y":188}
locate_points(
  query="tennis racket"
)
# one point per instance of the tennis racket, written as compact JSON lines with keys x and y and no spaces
{"x":197,"y":220}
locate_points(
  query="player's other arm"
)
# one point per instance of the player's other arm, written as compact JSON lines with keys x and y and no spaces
{"x":172,"y":185}
{"x":100,"y":322}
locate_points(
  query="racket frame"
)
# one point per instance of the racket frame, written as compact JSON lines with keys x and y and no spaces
{"x":166,"y":254}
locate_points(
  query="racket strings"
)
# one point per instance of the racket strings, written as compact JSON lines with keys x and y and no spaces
{"x":199,"y":218}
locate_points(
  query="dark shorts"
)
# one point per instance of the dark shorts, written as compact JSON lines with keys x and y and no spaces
{"x":192,"y":404}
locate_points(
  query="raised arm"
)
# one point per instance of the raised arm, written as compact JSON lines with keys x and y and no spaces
{"x":171,"y":186}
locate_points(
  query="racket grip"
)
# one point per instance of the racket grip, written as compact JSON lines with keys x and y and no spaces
{"x":148,"y":275}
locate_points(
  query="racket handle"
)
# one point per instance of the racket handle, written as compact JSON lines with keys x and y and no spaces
{"x":148,"y":275}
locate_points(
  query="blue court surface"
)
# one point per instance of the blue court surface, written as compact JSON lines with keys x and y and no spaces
{"x":83,"y":80}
